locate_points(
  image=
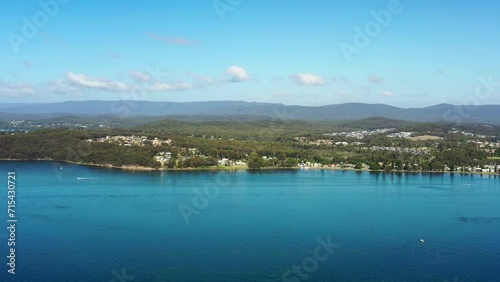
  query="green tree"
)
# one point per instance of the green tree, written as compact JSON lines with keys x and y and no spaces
{"x":374,"y":166}
{"x":254,"y":161}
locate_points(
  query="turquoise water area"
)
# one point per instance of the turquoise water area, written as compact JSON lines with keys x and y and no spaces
{"x":81,"y":223}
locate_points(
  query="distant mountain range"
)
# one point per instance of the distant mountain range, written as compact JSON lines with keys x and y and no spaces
{"x":487,"y":114}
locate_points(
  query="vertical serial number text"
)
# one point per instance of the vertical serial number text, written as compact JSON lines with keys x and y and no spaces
{"x":11,"y":221}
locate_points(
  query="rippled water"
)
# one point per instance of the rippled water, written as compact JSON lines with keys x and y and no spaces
{"x":80,"y":223}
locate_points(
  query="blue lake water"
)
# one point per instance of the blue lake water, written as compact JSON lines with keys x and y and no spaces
{"x":78,"y":223}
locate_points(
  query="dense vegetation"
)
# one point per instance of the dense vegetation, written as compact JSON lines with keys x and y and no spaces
{"x":259,"y":143}
{"x":70,"y":145}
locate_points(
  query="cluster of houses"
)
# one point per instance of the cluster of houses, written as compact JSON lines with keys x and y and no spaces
{"x":485,"y":169}
{"x":15,"y":123}
{"x":402,"y":134}
{"x":44,"y":124}
{"x":470,"y":134}
{"x":228,"y":162}
{"x":165,"y":157}
{"x":415,"y":151}
{"x":305,"y":165}
{"x":488,"y":147}
{"x":320,"y":142}
{"x":309,"y":164}
{"x":132,"y":140}
{"x":360,"y":134}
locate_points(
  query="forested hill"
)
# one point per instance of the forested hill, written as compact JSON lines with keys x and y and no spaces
{"x":487,"y":114}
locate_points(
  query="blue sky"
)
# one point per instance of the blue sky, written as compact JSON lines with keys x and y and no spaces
{"x":308,"y":52}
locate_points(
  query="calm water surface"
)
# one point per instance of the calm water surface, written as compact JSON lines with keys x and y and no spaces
{"x":78,"y":223}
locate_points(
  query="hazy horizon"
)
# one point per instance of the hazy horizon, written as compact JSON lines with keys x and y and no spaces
{"x":242,"y":101}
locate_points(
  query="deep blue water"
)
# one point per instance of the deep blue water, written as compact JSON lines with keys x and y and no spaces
{"x":78,"y":223}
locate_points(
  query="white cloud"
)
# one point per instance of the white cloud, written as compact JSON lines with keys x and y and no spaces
{"x":62,"y":86}
{"x":16,"y":89}
{"x":97,"y":83}
{"x":164,"y":86}
{"x":139,"y":76}
{"x":387,"y":93}
{"x":237,"y":74}
{"x":307,"y":79}
{"x":183,"y":86}
{"x":76,"y":83}
{"x":118,"y":86}
{"x":160,"y":86}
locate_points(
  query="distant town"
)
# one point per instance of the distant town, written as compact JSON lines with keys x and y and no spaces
{"x":412,"y":145}
{"x":171,"y":144}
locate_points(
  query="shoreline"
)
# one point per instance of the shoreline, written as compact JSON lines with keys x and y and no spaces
{"x":402,"y":171}
{"x":143,"y":168}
